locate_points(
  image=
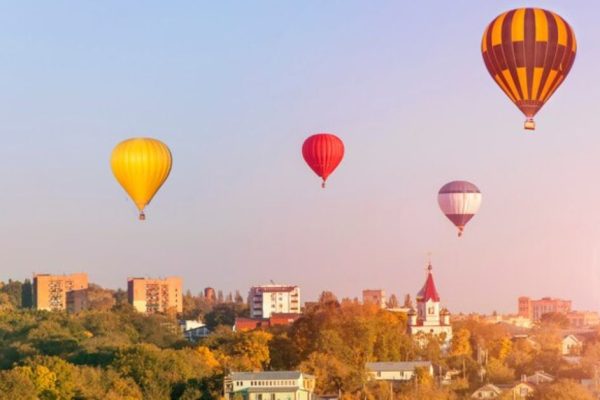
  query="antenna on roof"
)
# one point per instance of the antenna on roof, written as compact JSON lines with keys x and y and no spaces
{"x":271,"y":280}
{"x":429,"y":267}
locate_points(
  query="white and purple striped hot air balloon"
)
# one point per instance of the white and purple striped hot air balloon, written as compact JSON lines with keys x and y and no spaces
{"x":459,"y":201}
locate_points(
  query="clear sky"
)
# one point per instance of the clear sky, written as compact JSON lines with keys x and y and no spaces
{"x":235,"y":87}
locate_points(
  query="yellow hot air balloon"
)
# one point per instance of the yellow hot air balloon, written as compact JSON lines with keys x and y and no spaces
{"x":141,"y":166}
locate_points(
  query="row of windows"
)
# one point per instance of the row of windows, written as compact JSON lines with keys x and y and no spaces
{"x":269,"y":383}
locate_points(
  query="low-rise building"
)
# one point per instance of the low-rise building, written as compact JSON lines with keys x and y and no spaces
{"x":247,"y":324}
{"x":571,"y":345}
{"x":397,"y":371}
{"x":518,"y":391}
{"x":583,"y":319}
{"x":269,"y":385}
{"x":534,"y":309}
{"x":539,"y":377}
{"x":193,"y":330}
{"x":489,"y":391}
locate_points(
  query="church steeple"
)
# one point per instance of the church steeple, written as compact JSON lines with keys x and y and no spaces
{"x":429,"y":291}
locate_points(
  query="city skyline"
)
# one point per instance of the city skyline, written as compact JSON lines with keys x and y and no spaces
{"x":240,"y":207}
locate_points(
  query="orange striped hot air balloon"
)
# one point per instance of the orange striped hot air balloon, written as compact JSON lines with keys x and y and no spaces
{"x":529,"y":52}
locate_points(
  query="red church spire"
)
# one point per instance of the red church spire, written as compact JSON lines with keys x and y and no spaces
{"x":428,"y":292}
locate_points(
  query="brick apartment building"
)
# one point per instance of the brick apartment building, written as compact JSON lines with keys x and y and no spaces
{"x":155,"y":295}
{"x":534,"y":309}
{"x":52,"y":292}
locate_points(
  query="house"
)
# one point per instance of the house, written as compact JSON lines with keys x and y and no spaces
{"x":269,"y":385}
{"x":571,"y":345}
{"x":488,"y":391}
{"x":518,"y":391}
{"x":397,"y":371}
{"x":539,"y":377}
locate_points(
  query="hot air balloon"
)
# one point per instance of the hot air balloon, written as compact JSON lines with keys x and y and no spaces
{"x":529,"y":52}
{"x":323,"y":152}
{"x":459,"y":201}
{"x":141,"y":166}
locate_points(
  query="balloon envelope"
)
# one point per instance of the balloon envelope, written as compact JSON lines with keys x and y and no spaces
{"x":323,"y":152}
{"x":459,"y":201}
{"x":529,"y":52}
{"x":141,"y":166}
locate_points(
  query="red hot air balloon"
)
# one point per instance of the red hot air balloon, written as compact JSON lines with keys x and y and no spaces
{"x":323,"y":152}
{"x":459,"y":201}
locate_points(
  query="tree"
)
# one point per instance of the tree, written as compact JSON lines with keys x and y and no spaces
{"x":27,"y":294}
{"x":563,"y":390}
{"x":408,"y":303}
{"x":461,"y":345}
{"x":14,"y":291}
{"x":392,"y":302}
{"x":497,"y":372}
{"x":16,"y":384}
{"x":559,"y":320}
{"x":238,"y":297}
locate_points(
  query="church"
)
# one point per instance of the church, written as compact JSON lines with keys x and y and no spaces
{"x":430,"y":318}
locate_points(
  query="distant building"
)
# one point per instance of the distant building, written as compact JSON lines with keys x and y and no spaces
{"x":210,"y":294}
{"x":539,"y":377}
{"x":518,"y":391}
{"x":571,"y":345}
{"x":534,"y":309}
{"x":583,"y":319}
{"x":269,"y":385}
{"x":155,"y":295}
{"x":397,"y":371}
{"x":77,"y":300}
{"x":247,"y":324}
{"x":193,"y":330}
{"x":430,"y":318}
{"x":50,"y":291}
{"x":489,"y":391}
{"x":374,"y":296}
{"x":517,"y":321}
{"x":268,"y":299}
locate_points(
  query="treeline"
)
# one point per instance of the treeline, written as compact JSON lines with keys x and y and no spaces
{"x":113,"y":352}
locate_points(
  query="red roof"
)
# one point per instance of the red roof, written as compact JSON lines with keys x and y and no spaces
{"x":428,"y":292}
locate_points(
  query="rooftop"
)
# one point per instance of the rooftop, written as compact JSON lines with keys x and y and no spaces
{"x":397,"y":366}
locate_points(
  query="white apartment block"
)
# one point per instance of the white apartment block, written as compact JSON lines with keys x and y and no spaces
{"x":268,"y":299}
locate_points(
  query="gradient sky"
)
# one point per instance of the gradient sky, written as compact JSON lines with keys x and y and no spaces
{"x":235,"y":87}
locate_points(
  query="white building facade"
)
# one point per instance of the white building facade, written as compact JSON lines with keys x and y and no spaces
{"x":430,"y":318}
{"x":397,"y":371}
{"x":268,"y":299}
{"x":269,"y":385}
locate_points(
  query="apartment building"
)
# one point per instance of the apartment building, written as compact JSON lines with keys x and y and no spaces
{"x":155,"y":295}
{"x":50,"y":291}
{"x":534,"y":309}
{"x":267,"y":299}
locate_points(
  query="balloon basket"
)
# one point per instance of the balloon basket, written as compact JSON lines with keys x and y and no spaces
{"x":529,"y":124}
{"x":142,"y":216}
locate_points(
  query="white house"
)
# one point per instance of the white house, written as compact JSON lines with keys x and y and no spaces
{"x":539,"y":377}
{"x":488,"y":391}
{"x":397,"y":371}
{"x":430,"y":318}
{"x":571,"y":345}
{"x":269,"y":385}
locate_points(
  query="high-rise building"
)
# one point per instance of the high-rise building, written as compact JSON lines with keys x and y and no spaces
{"x":267,"y":299}
{"x":430,"y":318}
{"x":374,"y":296}
{"x":155,"y":295}
{"x":534,"y":309}
{"x":50,"y":291}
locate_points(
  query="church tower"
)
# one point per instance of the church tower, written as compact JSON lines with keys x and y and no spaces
{"x":429,"y":317}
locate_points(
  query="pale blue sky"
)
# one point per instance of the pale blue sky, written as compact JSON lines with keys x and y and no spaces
{"x":234,"y":88}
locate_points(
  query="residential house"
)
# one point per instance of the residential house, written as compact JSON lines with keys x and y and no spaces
{"x":539,"y":377}
{"x":397,"y":371}
{"x":488,"y":391}
{"x":571,"y":345}
{"x":269,"y":385}
{"x":519,"y":391}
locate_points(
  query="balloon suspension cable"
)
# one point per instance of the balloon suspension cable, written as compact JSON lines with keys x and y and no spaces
{"x":530,"y":124}
{"x":142,"y":216}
